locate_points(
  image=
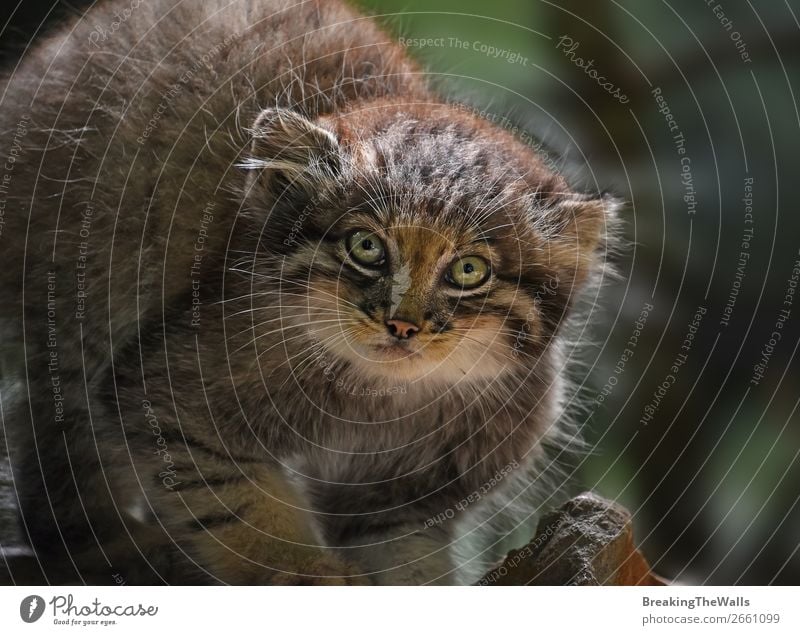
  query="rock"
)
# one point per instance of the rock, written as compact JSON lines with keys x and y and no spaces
{"x":587,"y":541}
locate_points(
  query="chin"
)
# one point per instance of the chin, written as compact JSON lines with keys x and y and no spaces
{"x":432,"y":362}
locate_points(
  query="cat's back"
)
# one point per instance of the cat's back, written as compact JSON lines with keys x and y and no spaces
{"x":126,"y":126}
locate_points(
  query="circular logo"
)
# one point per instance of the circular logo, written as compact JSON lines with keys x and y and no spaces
{"x":31,"y":608}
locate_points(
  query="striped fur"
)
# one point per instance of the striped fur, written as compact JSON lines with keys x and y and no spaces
{"x":174,"y":263}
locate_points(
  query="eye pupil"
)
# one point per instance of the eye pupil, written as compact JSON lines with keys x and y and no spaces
{"x":468,"y":267}
{"x":366,"y":244}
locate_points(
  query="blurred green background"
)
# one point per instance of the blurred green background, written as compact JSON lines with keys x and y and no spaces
{"x":713,"y":477}
{"x":711,"y":474}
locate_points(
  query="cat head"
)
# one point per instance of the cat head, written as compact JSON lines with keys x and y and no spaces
{"x":411,"y":242}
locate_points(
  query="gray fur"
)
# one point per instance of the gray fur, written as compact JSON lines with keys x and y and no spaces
{"x":200,"y":436}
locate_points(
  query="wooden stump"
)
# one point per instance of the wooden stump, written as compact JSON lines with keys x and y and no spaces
{"x":587,"y":541}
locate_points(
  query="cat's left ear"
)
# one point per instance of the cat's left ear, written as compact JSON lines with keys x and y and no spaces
{"x":580,"y":230}
{"x":290,"y":154}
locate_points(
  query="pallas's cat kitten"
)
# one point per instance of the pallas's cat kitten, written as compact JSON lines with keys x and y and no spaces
{"x":273,"y":311}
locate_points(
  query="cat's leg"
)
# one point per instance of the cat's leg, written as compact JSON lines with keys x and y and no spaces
{"x":405,"y":555}
{"x":64,"y":504}
{"x":238,"y":522}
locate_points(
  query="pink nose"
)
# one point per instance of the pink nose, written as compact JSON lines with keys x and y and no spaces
{"x":401,"y":329}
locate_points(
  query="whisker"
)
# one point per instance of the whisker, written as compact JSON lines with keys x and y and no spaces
{"x":319,"y":344}
{"x":298,"y":370}
{"x":283,"y":328}
{"x":305,"y":285}
{"x":306,"y":310}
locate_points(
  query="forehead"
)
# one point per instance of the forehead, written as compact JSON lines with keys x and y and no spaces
{"x":414,"y":214}
{"x":422,"y":236}
{"x":421,"y":233}
{"x":423,"y":248}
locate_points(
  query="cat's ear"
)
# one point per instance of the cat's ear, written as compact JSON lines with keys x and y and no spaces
{"x":290,"y":153}
{"x":579,"y":232}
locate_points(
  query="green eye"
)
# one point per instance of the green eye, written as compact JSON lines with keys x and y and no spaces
{"x":468,"y":272}
{"x":366,"y":248}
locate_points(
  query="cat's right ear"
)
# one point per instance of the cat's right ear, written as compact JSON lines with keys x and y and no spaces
{"x":290,"y":154}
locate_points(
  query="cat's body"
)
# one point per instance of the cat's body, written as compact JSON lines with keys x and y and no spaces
{"x":205,"y":392}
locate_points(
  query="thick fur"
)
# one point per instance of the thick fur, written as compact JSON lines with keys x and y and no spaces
{"x":207,"y":394}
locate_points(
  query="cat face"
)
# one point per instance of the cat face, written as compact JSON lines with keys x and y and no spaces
{"x":418,"y":245}
{"x":416,"y":299}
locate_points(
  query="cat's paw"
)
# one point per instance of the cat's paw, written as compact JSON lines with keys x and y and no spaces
{"x":321,"y":572}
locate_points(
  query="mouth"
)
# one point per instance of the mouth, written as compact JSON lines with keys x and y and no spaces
{"x":394,"y":349}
